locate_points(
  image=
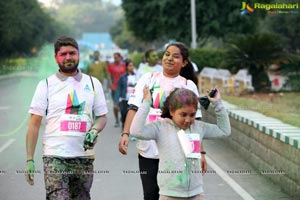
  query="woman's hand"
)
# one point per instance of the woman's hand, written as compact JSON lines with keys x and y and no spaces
{"x":215,"y":97}
{"x":123,"y":144}
{"x":147,"y":94}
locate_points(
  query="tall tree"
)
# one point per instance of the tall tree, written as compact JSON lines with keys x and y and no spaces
{"x":256,"y":53}
{"x":24,"y":27}
{"x":87,"y":16}
{"x":150,"y":20}
{"x":292,"y":70}
{"x":143,"y":18}
{"x":125,"y":39}
{"x":288,"y":27}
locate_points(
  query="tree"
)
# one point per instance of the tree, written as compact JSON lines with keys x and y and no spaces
{"x":256,"y":53}
{"x":143,"y":18}
{"x":24,"y":27}
{"x":291,"y":69}
{"x":150,"y":20}
{"x":286,"y":25}
{"x":87,"y":16}
{"x":125,"y":39}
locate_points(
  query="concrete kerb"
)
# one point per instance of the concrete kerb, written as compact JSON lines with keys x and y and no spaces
{"x":270,"y":145}
{"x":268,"y":125}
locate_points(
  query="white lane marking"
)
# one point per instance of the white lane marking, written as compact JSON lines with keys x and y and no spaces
{"x":15,"y":130}
{"x":236,"y":187}
{"x":4,"y":107}
{"x":7,"y":144}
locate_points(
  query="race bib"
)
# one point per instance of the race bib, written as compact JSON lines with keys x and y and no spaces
{"x":129,"y":92}
{"x":190,"y":144}
{"x":73,"y":123}
{"x":154,"y":115}
{"x":74,"y":126}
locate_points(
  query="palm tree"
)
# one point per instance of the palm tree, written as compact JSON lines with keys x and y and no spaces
{"x":292,"y":70}
{"x":256,"y":53}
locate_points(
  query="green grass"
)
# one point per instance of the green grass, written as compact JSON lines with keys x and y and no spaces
{"x":43,"y":63}
{"x":13,"y":65}
{"x":285,"y":107}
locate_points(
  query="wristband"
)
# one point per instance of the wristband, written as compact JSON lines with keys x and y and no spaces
{"x":125,"y":133}
{"x":95,"y":129}
{"x":203,"y":152}
{"x":133,"y":107}
{"x":30,"y":160}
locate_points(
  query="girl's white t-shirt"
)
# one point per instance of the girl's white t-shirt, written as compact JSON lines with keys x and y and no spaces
{"x":71,"y":106}
{"x":161,"y":86}
{"x":131,"y":82}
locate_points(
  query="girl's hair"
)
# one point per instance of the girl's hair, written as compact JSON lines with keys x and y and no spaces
{"x":188,"y":70}
{"x":177,"y":99}
{"x":127,"y":62}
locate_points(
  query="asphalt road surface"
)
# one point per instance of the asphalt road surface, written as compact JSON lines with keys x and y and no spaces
{"x":116,"y":176}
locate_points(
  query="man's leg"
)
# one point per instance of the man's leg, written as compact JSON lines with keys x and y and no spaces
{"x":82,"y":179}
{"x":56,"y":181}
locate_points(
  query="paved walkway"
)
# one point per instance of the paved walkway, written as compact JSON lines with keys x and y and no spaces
{"x":116,"y":176}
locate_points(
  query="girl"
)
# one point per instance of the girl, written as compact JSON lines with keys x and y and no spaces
{"x":125,"y":88}
{"x":179,"y":175}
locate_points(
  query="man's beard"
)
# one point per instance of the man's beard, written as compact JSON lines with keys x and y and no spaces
{"x":72,"y":66}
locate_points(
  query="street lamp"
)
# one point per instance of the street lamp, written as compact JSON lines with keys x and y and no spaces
{"x":193,"y":20}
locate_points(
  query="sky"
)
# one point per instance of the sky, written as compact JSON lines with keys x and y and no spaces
{"x":116,"y":2}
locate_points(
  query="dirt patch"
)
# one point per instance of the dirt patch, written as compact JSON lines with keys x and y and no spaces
{"x":268,"y":97}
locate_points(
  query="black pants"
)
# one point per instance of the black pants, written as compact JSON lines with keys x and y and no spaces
{"x":148,"y":173}
{"x":123,"y":105}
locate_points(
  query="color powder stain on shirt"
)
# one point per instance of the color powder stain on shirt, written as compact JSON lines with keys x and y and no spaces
{"x":180,"y":178}
{"x":183,"y":177}
{"x":171,"y":171}
{"x":170,"y":166}
{"x":160,"y":99}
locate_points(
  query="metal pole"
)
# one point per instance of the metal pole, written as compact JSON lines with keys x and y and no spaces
{"x":193,"y":19}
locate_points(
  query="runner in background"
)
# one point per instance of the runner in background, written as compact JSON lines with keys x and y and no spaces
{"x":125,"y":88}
{"x":115,"y":70}
{"x":151,"y":64}
{"x":98,"y":69}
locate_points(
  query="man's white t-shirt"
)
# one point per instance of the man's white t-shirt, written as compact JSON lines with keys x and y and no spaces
{"x":143,"y":69}
{"x":161,"y":86}
{"x":71,"y":104}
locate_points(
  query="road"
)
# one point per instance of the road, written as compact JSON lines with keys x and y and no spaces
{"x":229,"y":177}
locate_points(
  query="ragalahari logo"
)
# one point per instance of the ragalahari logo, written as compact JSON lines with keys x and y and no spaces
{"x":246,"y":8}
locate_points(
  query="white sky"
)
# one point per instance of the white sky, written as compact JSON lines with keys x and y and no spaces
{"x":116,"y":2}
